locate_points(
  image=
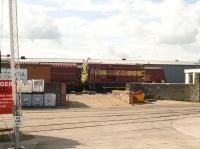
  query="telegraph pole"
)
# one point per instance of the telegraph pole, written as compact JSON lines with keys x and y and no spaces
{"x":14,"y":50}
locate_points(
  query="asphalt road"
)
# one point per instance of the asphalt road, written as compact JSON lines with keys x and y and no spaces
{"x":144,"y":126}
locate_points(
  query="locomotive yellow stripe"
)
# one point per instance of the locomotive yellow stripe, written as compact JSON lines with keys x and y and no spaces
{"x":119,"y":73}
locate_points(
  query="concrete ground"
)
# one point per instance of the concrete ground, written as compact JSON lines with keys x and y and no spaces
{"x":93,"y":123}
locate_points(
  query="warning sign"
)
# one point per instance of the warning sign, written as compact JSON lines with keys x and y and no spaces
{"x":6,"y":102}
{"x":20,"y":74}
{"x":17,"y":120}
{"x":5,"y":89}
{"x":6,"y":106}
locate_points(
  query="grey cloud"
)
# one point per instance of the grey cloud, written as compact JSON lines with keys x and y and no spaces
{"x":180,"y":38}
{"x":46,"y":31}
{"x":118,"y":53}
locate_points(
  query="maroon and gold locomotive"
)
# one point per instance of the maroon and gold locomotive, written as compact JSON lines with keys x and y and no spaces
{"x":100,"y":77}
{"x":107,"y":77}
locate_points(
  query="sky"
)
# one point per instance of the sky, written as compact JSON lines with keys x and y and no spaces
{"x":106,"y":29}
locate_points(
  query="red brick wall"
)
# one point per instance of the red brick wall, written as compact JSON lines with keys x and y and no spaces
{"x":39,"y":72}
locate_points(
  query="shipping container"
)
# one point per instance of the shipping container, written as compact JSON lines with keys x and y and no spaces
{"x":49,"y":100}
{"x":37,"y":100}
{"x":38,"y":85}
{"x":26,"y":100}
{"x":68,"y":73}
{"x":65,"y":73}
{"x":154,"y":74}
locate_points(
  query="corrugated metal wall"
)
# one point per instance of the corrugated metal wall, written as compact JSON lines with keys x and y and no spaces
{"x":64,"y":73}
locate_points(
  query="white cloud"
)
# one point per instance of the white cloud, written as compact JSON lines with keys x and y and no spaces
{"x":141,"y":29}
{"x":35,"y":24}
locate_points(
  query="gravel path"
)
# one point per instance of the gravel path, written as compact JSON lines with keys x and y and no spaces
{"x":152,"y":126}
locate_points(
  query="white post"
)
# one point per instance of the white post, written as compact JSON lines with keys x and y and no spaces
{"x":193,"y":78}
{"x":12,"y":53}
{"x":16,"y":107}
{"x":187,"y":79}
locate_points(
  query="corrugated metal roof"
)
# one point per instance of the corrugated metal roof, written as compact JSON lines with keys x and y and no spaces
{"x":52,"y":60}
{"x":141,"y":62}
{"x":109,"y":61}
{"x":53,"y":64}
{"x":106,"y":61}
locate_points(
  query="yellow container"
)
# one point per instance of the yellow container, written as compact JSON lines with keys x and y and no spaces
{"x":139,"y":96}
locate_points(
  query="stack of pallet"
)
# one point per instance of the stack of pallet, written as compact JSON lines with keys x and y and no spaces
{"x":33,"y":95}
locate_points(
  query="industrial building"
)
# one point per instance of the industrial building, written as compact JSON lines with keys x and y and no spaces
{"x":102,"y":72}
{"x":173,"y":70}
